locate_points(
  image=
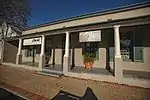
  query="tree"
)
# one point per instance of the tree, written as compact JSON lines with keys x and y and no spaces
{"x":15,"y":12}
{"x":14,"y":15}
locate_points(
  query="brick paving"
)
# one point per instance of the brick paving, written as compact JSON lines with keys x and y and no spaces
{"x":39,"y":87}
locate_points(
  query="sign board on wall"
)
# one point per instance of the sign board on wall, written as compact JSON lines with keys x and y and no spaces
{"x":33,"y":41}
{"x":90,"y":36}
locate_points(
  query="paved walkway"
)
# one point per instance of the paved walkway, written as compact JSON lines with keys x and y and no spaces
{"x":66,"y":88}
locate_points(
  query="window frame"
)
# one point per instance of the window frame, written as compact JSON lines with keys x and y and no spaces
{"x":29,"y":51}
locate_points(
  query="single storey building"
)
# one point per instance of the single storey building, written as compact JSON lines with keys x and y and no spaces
{"x":117,"y":39}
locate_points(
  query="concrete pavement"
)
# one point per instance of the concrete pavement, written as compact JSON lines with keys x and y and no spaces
{"x":52,"y":88}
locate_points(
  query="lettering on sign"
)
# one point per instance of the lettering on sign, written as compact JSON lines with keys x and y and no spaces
{"x":90,"y":36}
{"x":33,"y":41}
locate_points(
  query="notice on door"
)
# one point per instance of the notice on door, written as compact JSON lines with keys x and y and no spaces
{"x":90,"y":36}
{"x":33,"y":41}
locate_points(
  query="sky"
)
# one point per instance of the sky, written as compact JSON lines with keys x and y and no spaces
{"x":44,"y":11}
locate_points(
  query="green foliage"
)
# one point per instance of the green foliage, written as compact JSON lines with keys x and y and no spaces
{"x":89,"y":57}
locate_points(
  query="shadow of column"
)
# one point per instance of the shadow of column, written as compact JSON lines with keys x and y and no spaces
{"x":62,"y":57}
{"x":107,"y":60}
{"x":33,"y":56}
{"x":73,"y":58}
{"x":88,"y":95}
{"x":53,"y":62}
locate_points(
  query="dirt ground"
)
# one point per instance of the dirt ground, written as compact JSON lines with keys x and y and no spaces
{"x":69,"y":88}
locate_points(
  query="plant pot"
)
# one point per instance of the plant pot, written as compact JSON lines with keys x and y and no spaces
{"x":88,"y":65}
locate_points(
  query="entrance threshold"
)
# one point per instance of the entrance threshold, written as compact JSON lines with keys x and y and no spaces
{"x":50,"y":74}
{"x":51,"y":71}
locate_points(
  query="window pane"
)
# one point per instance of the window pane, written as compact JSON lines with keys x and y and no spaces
{"x":138,"y":54}
{"x":26,"y":52}
{"x":97,"y":55}
{"x":138,"y":42}
{"x":111,"y":53}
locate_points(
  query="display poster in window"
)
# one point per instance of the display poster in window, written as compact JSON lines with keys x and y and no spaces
{"x":32,"y":41}
{"x":90,"y":36}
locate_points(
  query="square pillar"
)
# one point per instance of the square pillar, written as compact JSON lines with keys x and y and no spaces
{"x":118,"y":72}
{"x":42,"y":54}
{"x":66,"y":62}
{"x":19,"y":54}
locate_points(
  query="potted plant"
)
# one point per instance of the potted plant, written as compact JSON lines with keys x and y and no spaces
{"x":88,"y":59}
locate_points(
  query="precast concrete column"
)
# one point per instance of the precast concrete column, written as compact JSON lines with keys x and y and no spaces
{"x":118,"y":72}
{"x":66,"y":62}
{"x":19,"y":54}
{"x":42,"y":54}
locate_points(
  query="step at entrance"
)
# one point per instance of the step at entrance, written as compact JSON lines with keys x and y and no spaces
{"x":50,"y":74}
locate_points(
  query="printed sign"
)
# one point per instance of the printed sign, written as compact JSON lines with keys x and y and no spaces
{"x":90,"y":36}
{"x":33,"y":41}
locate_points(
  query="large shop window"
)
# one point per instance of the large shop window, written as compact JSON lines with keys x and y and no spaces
{"x":91,"y":47}
{"x":130,"y":47}
{"x":30,"y":52}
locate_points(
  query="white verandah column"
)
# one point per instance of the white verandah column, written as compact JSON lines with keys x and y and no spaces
{"x":42,"y":54}
{"x":19,"y":54}
{"x":117,"y":41}
{"x":66,"y":56}
{"x":118,"y":60}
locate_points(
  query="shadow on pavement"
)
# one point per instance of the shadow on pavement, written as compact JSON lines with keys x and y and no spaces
{"x":5,"y":95}
{"x":88,"y":95}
